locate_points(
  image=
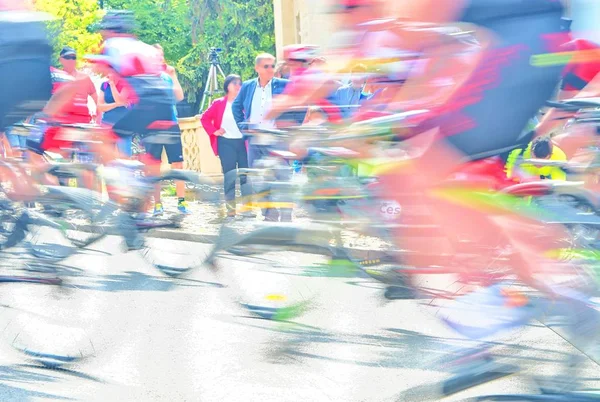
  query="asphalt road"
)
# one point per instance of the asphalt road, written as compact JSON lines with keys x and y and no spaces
{"x":142,"y":336}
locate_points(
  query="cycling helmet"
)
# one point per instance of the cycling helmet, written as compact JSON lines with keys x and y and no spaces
{"x":303,"y":53}
{"x":117,"y":21}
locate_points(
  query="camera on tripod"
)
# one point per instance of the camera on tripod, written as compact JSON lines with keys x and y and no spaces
{"x":213,"y":56}
{"x":212,"y":85}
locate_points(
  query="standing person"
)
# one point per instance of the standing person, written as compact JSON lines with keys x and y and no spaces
{"x":228,"y":142}
{"x":252,"y":105}
{"x":349,"y":96}
{"x":174,"y":150}
{"x":113,"y":107}
{"x":255,"y":98}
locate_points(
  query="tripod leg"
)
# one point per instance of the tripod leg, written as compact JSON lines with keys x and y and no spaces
{"x":221,"y":70}
{"x":209,"y":80}
{"x":215,"y":81}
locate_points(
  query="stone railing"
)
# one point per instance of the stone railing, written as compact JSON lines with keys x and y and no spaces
{"x":197,"y":152}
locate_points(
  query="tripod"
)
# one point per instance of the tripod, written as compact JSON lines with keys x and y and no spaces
{"x":212,"y":85}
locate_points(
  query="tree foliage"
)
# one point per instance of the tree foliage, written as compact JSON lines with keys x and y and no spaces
{"x":73,"y":17}
{"x":160,"y":21}
{"x":187,"y":29}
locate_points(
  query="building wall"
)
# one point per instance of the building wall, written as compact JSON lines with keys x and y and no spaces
{"x":306,"y":21}
{"x":585,"y":15}
{"x":301,"y":21}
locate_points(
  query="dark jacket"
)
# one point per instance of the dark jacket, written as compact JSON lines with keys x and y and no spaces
{"x":243,"y":103}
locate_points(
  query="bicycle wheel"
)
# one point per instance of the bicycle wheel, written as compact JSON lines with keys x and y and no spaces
{"x":12,"y":227}
{"x":83,"y":218}
{"x":46,"y":313}
{"x":266,"y":268}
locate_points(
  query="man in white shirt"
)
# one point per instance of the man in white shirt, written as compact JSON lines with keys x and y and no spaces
{"x":251,"y":107}
{"x":255,"y":98}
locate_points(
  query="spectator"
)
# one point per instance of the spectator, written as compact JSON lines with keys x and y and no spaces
{"x":113,"y":107}
{"x":349,"y":96}
{"x":252,"y":105}
{"x":228,"y":142}
{"x":254,"y":100}
{"x":174,"y":150}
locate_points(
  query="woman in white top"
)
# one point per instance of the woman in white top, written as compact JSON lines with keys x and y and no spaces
{"x":227,"y":141}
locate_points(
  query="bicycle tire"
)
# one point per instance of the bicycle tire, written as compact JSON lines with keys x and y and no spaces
{"x":84,"y":223}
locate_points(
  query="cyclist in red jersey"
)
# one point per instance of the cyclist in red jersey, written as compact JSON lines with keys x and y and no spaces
{"x":305,"y":67}
{"x":78,"y":110}
{"x":484,"y":97}
{"x":581,"y":70}
{"x":140,"y":66}
{"x":75,"y":109}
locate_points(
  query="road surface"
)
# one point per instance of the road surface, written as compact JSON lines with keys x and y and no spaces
{"x":143,"y":336}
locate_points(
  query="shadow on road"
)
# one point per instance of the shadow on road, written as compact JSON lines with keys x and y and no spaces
{"x":137,"y":281}
{"x":65,"y":371}
{"x":295,"y":344}
{"x":11,"y":375}
{"x":130,"y":281}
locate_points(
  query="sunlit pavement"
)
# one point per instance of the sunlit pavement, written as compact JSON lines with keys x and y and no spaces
{"x":147,"y":337}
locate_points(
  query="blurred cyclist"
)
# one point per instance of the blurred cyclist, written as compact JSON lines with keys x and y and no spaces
{"x":140,"y":66}
{"x":306,"y":67}
{"x":25,"y":70}
{"x":173,"y":150}
{"x":577,"y":81}
{"x":483,"y":97}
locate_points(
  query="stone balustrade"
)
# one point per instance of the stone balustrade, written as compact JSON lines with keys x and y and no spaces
{"x":197,"y":152}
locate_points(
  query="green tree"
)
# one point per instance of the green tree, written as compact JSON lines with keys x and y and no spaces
{"x":187,"y":29}
{"x":242,"y":29}
{"x":73,"y":17}
{"x":160,"y":21}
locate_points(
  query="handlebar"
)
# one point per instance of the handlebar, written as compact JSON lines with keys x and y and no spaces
{"x":575,"y":104}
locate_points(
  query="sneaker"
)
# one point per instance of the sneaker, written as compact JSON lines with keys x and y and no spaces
{"x":182,"y":207}
{"x":158,"y":209}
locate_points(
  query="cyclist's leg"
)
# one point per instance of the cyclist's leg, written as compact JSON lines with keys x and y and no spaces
{"x":175,"y":158}
{"x":153,"y":163}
